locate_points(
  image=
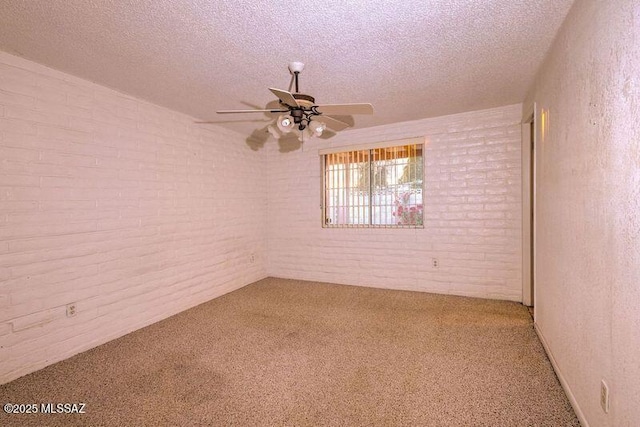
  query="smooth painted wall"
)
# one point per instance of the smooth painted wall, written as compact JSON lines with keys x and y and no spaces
{"x":472,"y":212}
{"x":588,"y":207}
{"x":125,"y":209}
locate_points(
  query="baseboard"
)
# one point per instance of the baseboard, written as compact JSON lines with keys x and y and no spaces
{"x":563,"y":382}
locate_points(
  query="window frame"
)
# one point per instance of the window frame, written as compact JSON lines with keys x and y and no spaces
{"x":418,"y":141}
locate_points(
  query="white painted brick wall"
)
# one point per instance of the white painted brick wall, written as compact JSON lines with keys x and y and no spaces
{"x":472,"y":212}
{"x":134,"y":213}
{"x":127,"y":209}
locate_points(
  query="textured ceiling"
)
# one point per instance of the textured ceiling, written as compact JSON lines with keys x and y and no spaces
{"x":411,"y":59}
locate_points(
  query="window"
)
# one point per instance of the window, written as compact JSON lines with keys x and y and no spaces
{"x":375,"y":186}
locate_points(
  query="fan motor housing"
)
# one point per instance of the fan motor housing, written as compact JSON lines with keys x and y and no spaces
{"x":301,"y":114}
{"x":305,"y":99}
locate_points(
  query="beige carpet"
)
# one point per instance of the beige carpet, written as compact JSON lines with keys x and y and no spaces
{"x":284,"y":352}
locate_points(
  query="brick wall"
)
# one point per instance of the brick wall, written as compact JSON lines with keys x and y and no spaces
{"x":472,"y":212}
{"x":134,"y":213}
{"x":124,"y":208}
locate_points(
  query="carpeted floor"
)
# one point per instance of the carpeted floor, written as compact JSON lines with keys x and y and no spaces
{"x":285,"y":352}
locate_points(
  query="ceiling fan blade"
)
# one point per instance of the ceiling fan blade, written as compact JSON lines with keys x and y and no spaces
{"x":345,"y":109}
{"x":331,"y":123}
{"x":285,"y":97}
{"x":205,"y":122}
{"x":250,"y":111}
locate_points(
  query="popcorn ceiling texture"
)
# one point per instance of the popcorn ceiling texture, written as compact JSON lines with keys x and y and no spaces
{"x":411,"y":59}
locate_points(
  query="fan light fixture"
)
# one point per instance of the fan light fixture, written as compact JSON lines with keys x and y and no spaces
{"x":317,"y":128}
{"x":285,"y":123}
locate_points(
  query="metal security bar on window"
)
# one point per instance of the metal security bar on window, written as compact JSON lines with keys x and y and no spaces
{"x":377,"y":187}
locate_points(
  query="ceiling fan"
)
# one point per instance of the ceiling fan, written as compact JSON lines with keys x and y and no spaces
{"x":298,"y":110}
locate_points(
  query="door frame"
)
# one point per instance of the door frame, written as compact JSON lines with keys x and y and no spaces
{"x":529,"y":148}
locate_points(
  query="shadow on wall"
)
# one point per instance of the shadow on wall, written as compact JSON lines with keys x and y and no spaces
{"x":258,"y":138}
{"x":287,"y":143}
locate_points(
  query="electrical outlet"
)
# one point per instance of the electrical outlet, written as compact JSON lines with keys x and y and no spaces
{"x":252,"y":258}
{"x":604,"y":396}
{"x":71,"y":309}
{"x":435,"y":263}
